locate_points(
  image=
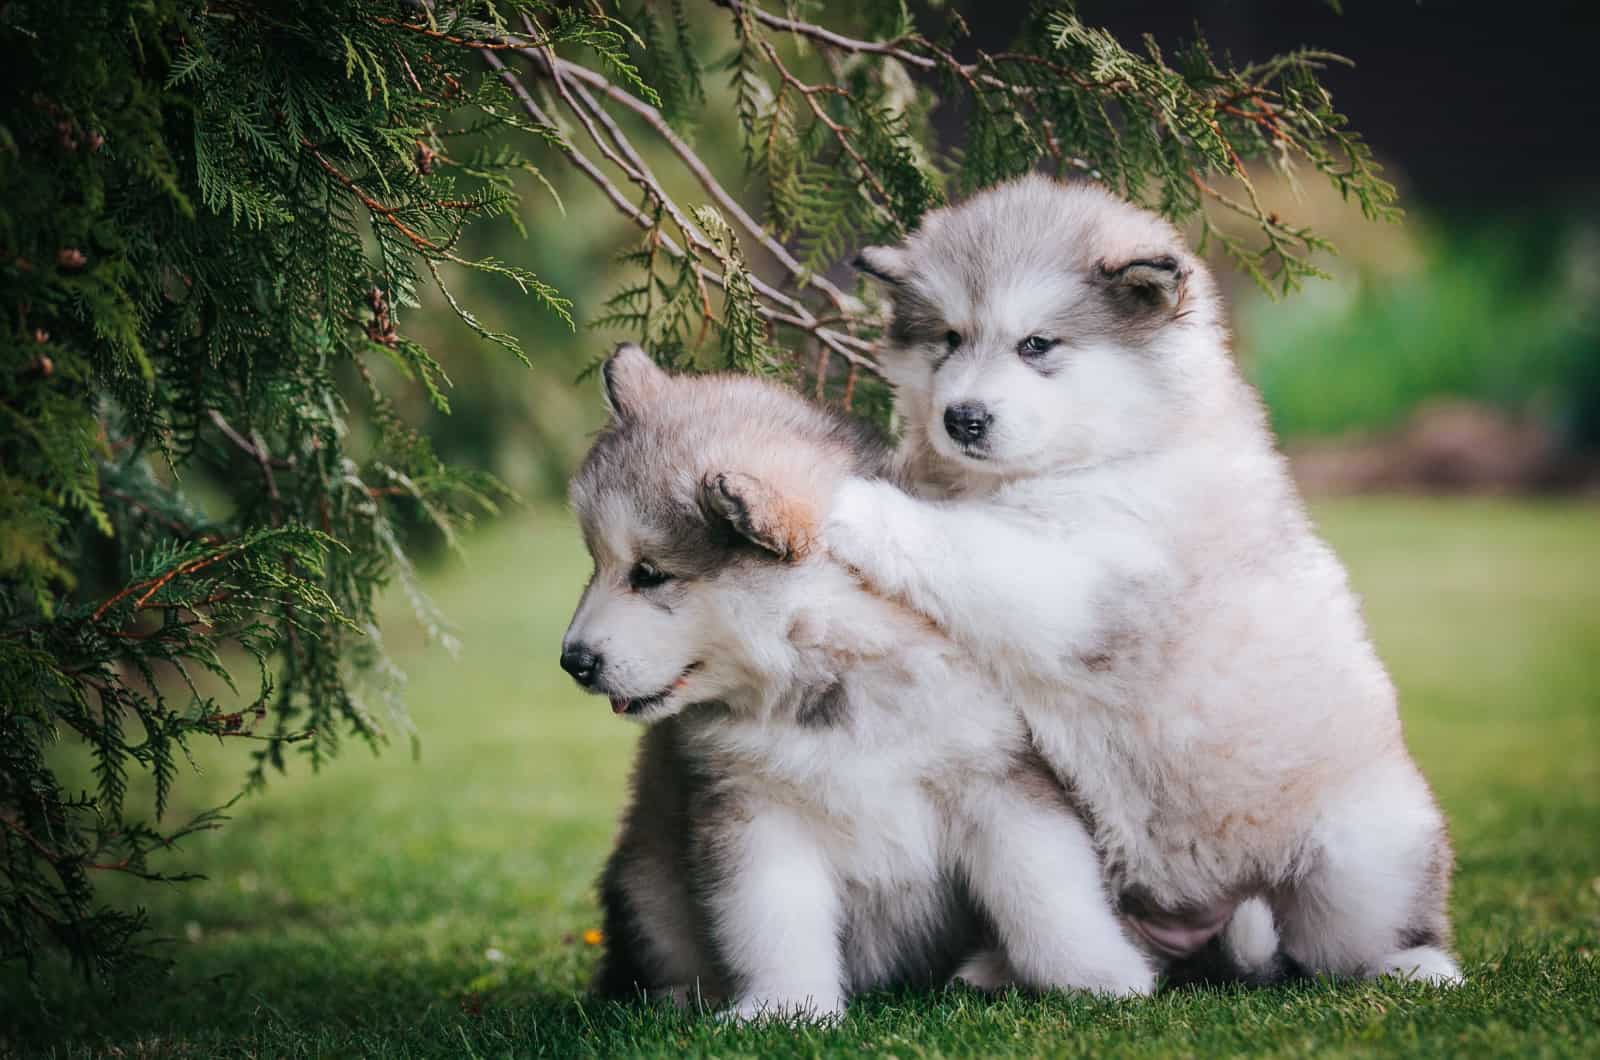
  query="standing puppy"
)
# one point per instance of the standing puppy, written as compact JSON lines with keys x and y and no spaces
{"x":831,"y":798}
{"x":1103,"y":517}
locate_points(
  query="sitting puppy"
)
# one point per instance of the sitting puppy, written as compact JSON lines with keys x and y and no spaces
{"x":1104,"y":520}
{"x":829,"y":799}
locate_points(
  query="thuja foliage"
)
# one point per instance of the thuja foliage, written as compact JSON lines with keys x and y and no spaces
{"x":216,"y":218}
{"x":838,"y":108}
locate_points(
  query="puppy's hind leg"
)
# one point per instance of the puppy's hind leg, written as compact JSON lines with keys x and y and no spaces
{"x":987,"y":970}
{"x":1370,"y":901}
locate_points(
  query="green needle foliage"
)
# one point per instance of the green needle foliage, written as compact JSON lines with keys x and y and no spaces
{"x":837,"y":123}
{"x":216,"y":216}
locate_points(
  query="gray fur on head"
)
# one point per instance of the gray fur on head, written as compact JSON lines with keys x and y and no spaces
{"x":630,"y":380}
{"x":885,"y":264}
{"x":1079,"y":326}
{"x":1132,"y":262}
{"x":754,"y":476}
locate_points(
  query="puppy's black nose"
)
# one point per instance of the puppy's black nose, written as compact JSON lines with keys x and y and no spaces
{"x":581,"y":663}
{"x":967,"y":422}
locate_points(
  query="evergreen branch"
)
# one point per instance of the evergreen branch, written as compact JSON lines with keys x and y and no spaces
{"x":387,"y":213}
{"x":264,"y":175}
{"x":822,"y":35}
{"x":251,"y":449}
{"x":493,"y":44}
{"x":842,"y":135}
{"x":843,"y":302}
{"x":786,"y":311}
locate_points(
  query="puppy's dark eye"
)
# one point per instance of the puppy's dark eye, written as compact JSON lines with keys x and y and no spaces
{"x":646,"y":575}
{"x":952,"y":339}
{"x":1035,"y":346}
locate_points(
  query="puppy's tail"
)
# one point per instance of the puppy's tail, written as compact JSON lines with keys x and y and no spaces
{"x":1245,"y":951}
{"x":1250,"y":942}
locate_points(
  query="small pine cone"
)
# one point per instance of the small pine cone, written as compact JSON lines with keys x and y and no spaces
{"x":71,"y":258}
{"x":425,"y":157}
{"x":42,"y":366}
{"x":383,"y":333}
{"x":96,"y":141}
{"x":41,"y":336}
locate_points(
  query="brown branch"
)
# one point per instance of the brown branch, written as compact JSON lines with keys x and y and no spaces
{"x":842,"y":301}
{"x":495,"y":44}
{"x":646,"y":179}
{"x":1067,"y":72}
{"x":388,"y":213}
{"x":840,"y":133}
{"x":257,"y":450}
{"x":830,"y":38}
{"x":895,"y":49}
{"x":792,"y":313}
{"x":16,"y":828}
{"x":155,"y":585}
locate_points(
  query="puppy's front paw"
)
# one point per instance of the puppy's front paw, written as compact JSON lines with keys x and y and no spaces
{"x":854,"y":532}
{"x":1423,"y":964}
{"x":786,"y":1008}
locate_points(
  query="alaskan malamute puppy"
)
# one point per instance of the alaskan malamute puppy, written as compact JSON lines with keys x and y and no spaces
{"x":829,"y":798}
{"x":1103,"y":517}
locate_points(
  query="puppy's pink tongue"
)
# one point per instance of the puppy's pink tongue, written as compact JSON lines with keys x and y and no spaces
{"x":619,"y":705}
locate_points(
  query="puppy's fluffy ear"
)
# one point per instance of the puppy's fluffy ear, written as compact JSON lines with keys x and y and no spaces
{"x":1153,"y":283}
{"x":630,"y":380}
{"x":885,"y":264}
{"x":783,"y":526}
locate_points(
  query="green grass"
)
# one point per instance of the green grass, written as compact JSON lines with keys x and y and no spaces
{"x":436,"y":907}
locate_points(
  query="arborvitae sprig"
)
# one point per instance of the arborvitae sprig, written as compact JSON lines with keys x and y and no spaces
{"x":214,"y":217}
{"x":835,"y":128}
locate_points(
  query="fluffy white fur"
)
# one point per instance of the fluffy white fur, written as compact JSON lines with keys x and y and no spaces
{"x":831,"y":796}
{"x":1127,"y":552}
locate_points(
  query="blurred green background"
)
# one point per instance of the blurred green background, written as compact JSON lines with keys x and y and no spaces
{"x":438,"y":903}
{"x":1458,"y":349}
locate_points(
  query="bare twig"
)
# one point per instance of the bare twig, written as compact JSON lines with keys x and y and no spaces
{"x":830,"y":38}
{"x":488,"y":44}
{"x":840,"y":133}
{"x":843,"y":301}
{"x":786,"y":310}
{"x":256,"y":450}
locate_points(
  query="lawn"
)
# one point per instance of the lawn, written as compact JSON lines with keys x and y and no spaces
{"x":438,"y":905}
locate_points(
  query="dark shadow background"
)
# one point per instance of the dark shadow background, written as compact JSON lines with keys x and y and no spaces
{"x":1477,"y":106}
